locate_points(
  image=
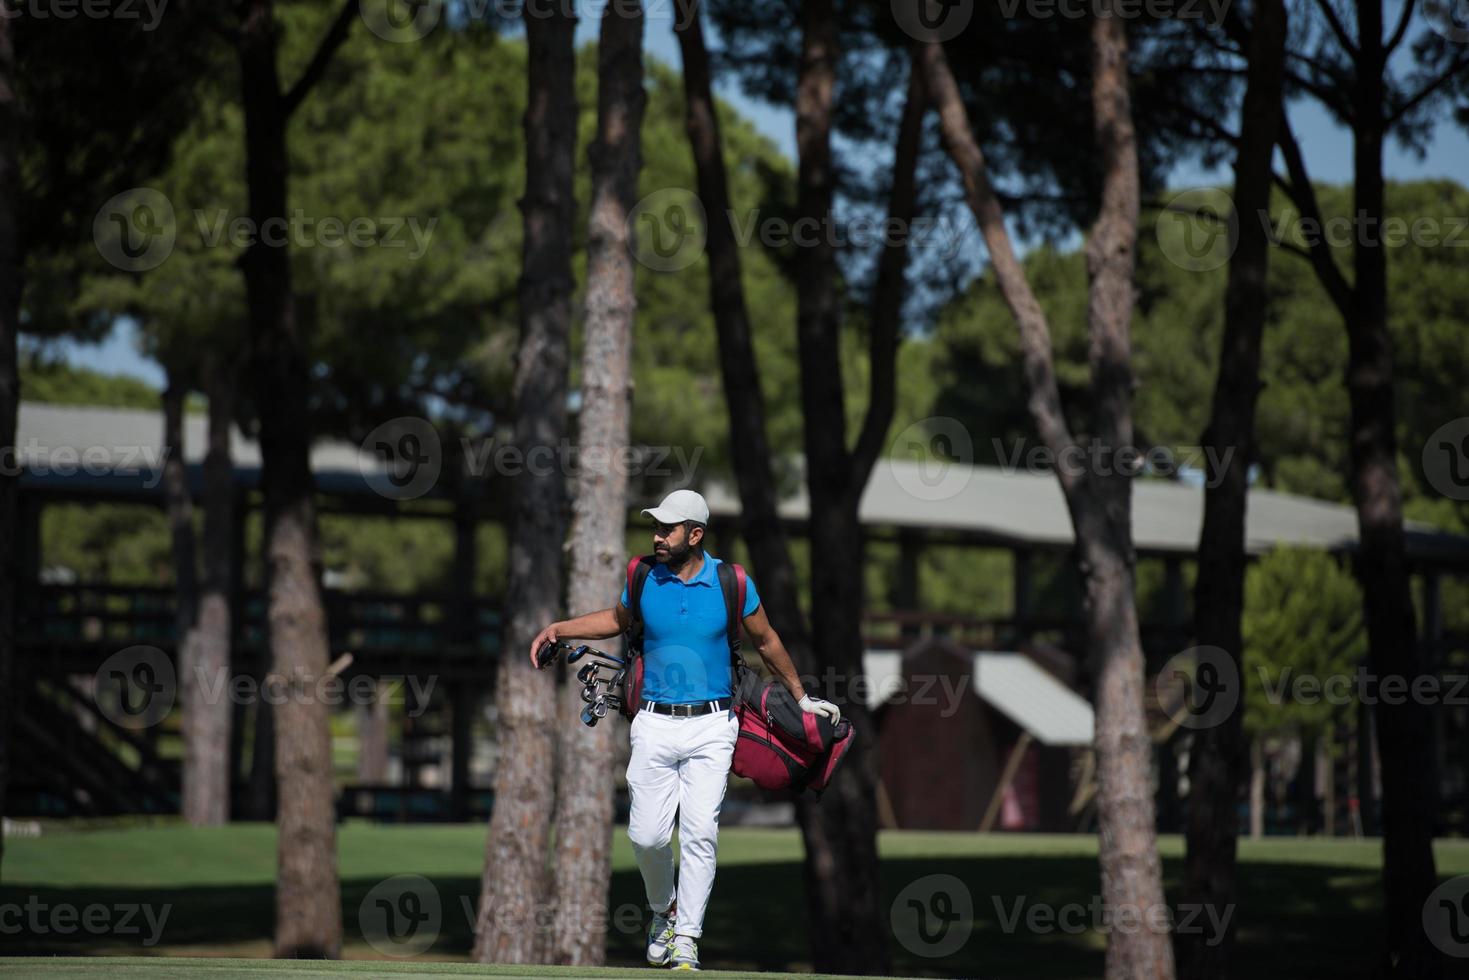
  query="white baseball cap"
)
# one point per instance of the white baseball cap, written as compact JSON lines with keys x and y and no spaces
{"x":680,"y":506}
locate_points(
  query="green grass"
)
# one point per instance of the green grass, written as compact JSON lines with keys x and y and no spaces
{"x":104,"y":968}
{"x":1308,"y":908}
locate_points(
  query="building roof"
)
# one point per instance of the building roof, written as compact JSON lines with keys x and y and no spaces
{"x":1019,"y":507}
{"x":1011,"y":683}
{"x":1009,"y":507}
{"x":121,"y":449}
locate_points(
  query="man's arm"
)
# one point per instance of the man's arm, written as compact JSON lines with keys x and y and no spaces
{"x":773,"y":651}
{"x":600,"y":625}
{"x":778,"y":659}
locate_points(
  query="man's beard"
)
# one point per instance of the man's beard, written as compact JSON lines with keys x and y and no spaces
{"x":673,"y":557}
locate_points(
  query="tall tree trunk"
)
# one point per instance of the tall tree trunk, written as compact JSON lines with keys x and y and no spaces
{"x":1217,"y":762}
{"x":843,"y":890}
{"x":840,"y":834}
{"x":516,"y":876}
{"x":308,"y":898}
{"x":193,"y":682}
{"x":372,"y":739}
{"x":1100,"y":506}
{"x":11,"y":273}
{"x":1131,"y":872}
{"x":761,"y":528}
{"x":208,"y":776}
{"x":1408,"y":789}
{"x":260,"y":791}
{"x":1257,"y":788}
{"x":1403,"y":730}
{"x":598,"y":535}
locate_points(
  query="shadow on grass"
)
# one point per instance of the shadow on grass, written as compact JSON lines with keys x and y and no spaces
{"x":1296,"y":921}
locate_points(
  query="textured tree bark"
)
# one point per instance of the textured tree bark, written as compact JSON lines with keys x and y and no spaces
{"x":844,"y":889}
{"x":1403,"y":730}
{"x":583,"y":870}
{"x":208,"y":776}
{"x":1257,"y":789}
{"x":1132,"y":876}
{"x":1217,"y":761}
{"x":11,"y":273}
{"x":1408,"y":790}
{"x":517,"y":876}
{"x":372,"y":740}
{"x":1099,"y":503}
{"x":841,"y":862}
{"x":260,"y":804}
{"x":760,"y":525}
{"x":204,"y":770}
{"x":308,"y":898}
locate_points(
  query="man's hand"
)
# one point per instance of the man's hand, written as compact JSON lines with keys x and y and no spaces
{"x":816,"y":706}
{"x":547,"y":635}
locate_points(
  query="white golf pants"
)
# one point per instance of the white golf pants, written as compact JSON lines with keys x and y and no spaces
{"x":679,"y":764}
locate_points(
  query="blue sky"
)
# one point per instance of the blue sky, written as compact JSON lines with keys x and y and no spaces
{"x":1327,"y":148}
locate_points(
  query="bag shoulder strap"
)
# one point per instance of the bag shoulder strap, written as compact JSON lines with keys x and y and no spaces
{"x":732,"y":583}
{"x":638,"y":568}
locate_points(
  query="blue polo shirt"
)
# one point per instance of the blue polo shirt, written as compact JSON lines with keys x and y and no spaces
{"x":685,"y":634}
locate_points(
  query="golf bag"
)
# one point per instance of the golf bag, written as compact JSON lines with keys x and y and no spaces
{"x":782,"y":747}
{"x":779,"y":745}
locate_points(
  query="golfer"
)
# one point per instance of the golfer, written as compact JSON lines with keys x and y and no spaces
{"x":683,"y":736}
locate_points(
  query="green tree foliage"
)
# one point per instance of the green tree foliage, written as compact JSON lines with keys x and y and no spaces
{"x":82,"y":85}
{"x":1303,"y":410}
{"x":1302,"y":626}
{"x":1303,"y":407}
{"x":56,"y":382}
{"x":113,"y":544}
{"x":424,"y":141}
{"x":431,"y":133}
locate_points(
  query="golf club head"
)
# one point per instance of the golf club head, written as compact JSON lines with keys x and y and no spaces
{"x":575,"y":655}
{"x":546,"y":654}
{"x":589,"y":693}
{"x":588,"y":718}
{"x":599,"y":707}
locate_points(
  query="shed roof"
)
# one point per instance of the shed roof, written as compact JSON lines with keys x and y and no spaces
{"x":1012,"y":684}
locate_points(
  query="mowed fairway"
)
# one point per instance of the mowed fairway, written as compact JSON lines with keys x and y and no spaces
{"x":1309,"y":907}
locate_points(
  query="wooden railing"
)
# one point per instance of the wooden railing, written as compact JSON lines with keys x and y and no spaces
{"x":77,"y":622}
{"x":383,"y":628}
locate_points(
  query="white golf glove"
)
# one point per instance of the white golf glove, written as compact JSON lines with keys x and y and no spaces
{"x":816,"y":706}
